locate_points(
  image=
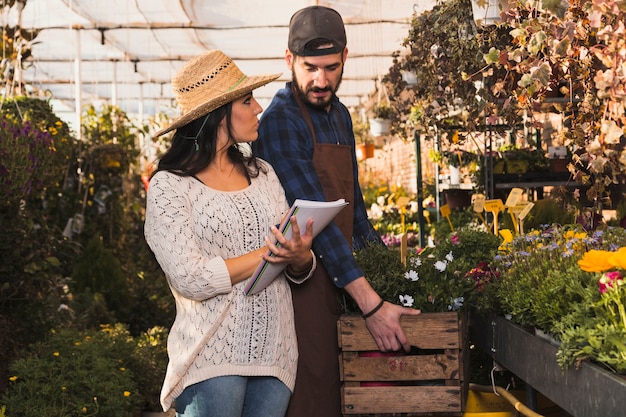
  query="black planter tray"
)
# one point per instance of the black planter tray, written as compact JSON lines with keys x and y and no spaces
{"x":590,"y":391}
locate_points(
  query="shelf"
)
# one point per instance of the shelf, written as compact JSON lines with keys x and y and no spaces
{"x":589,"y":391}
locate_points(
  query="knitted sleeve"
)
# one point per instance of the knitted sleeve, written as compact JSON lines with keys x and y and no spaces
{"x":169,"y":231}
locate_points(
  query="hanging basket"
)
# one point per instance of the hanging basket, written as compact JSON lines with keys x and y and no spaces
{"x":380,"y":127}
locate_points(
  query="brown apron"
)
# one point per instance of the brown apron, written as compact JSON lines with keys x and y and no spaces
{"x":316,"y":303}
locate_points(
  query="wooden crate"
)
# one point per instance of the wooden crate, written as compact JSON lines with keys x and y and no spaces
{"x":430,"y":379}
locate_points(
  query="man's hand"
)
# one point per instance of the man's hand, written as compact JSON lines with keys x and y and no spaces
{"x":384,"y":324}
{"x":385,"y":327}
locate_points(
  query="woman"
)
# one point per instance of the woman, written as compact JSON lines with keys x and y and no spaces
{"x":210,"y":208}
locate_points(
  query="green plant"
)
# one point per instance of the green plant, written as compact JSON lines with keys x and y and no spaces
{"x":452,"y":274}
{"x":443,"y":49}
{"x":434,"y":279}
{"x":568,"y":54}
{"x":549,"y":211}
{"x":149,"y":366}
{"x":539,"y":279}
{"x":382,"y":111}
{"x":75,"y":373}
{"x":595,"y":329}
{"x":384,"y":271}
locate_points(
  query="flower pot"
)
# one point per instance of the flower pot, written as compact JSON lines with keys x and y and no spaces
{"x":380,"y":127}
{"x":409,"y":77}
{"x":455,"y":175}
{"x":365,"y":151}
{"x":558,"y":165}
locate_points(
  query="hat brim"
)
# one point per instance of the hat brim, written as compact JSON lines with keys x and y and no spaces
{"x":249,"y":84}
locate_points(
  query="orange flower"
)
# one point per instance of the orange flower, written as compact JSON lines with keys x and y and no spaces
{"x":596,"y":261}
{"x":618,"y":259}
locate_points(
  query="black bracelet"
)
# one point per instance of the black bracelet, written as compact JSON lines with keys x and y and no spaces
{"x":374,"y":310}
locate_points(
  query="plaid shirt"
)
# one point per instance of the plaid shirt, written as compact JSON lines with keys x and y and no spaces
{"x":286,"y":142}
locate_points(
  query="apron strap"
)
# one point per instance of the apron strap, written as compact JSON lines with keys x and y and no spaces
{"x":305,"y":112}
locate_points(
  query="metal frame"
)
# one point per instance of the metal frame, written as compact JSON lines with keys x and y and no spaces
{"x":586,"y":392}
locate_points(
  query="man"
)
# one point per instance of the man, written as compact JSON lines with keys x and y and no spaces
{"x":306,"y":134}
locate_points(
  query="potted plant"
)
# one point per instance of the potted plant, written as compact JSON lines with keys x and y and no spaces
{"x":380,"y":124}
{"x":364,"y":141}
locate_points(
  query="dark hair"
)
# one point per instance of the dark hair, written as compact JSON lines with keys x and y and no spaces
{"x":192,"y":150}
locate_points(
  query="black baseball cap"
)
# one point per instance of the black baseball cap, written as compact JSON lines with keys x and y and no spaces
{"x":316,"y":22}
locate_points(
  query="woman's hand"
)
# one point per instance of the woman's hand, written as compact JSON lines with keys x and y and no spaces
{"x":295,"y":251}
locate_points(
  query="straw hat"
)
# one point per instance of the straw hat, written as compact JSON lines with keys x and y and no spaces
{"x":207,"y":82}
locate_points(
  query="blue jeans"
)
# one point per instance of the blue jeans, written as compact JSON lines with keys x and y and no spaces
{"x":234,"y":396}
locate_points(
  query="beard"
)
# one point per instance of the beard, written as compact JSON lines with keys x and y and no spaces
{"x":319,"y":104}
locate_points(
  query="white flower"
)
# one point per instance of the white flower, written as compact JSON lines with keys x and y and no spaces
{"x":406,"y":300}
{"x":415,"y":262}
{"x":376,"y":212}
{"x":411,"y":275}
{"x":450,"y":257}
{"x":440,"y":266}
{"x":457,"y":303}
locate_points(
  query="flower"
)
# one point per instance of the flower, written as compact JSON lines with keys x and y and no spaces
{"x":610,"y":280}
{"x":411,"y":275}
{"x":406,"y":300}
{"x":595,"y":261}
{"x":596,"y":331}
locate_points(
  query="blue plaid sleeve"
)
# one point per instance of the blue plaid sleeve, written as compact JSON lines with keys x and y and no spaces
{"x":285,"y":142}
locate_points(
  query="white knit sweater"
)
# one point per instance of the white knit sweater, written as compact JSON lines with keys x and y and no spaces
{"x":218,"y":330}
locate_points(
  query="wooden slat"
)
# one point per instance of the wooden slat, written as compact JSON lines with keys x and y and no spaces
{"x":401,"y":368}
{"x":414,"y":399}
{"x":425,"y":331}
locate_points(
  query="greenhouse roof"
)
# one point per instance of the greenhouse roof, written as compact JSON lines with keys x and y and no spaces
{"x":125,"y":52}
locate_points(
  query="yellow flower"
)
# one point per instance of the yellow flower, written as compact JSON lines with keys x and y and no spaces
{"x":84,"y":410}
{"x":126,"y":393}
{"x":595,"y":261}
{"x":55,"y":354}
{"x":618,"y":259}
{"x":13,"y":378}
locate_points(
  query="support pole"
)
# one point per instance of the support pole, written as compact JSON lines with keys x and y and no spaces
{"x":420,"y":189}
{"x":78,"y":86}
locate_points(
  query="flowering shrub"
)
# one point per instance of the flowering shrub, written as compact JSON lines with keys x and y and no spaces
{"x":89,"y":373}
{"x":75,"y":374}
{"x":441,"y":278}
{"x":452,"y":274}
{"x":540,"y":278}
{"x":27,"y":162}
{"x":597,"y":329}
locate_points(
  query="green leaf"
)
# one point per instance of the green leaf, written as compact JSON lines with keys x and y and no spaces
{"x":492,"y":56}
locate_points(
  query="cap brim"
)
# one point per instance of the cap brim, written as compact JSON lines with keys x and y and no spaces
{"x":249,"y":84}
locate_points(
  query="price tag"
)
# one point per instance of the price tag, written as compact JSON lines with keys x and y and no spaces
{"x":403,"y":202}
{"x":517,"y":208}
{"x":445,"y":210}
{"x":494,"y":205}
{"x":522,"y":214}
{"x":479,"y":202}
{"x":514,"y":197}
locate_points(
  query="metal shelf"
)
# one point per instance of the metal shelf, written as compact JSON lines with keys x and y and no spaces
{"x":589,"y":391}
